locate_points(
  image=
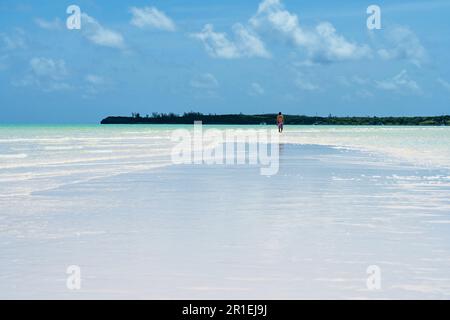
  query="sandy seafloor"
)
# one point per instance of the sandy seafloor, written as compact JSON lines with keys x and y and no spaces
{"x":226,"y":232}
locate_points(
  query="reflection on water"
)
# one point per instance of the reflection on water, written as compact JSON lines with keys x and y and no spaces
{"x":281,"y":147}
{"x":226,"y":232}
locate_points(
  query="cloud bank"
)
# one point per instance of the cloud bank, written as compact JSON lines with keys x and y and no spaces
{"x":100,"y":35}
{"x":401,"y":83}
{"x":46,"y":74}
{"x":322,"y":44}
{"x":405,"y":46}
{"x":150,"y":17}
{"x":245,"y":44}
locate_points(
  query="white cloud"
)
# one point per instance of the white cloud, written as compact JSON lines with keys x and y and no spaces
{"x":53,"y":69}
{"x":95,"y":79}
{"x":256,"y":89}
{"x":353,"y":80}
{"x":50,"y":75}
{"x":444,"y":83}
{"x":151,"y":17}
{"x":94,"y":84}
{"x":246,"y":43}
{"x":322,"y":44}
{"x":13,"y":41}
{"x":10,"y":43}
{"x":46,"y":74}
{"x":271,"y":17}
{"x":400,"y":83}
{"x":57,"y":86}
{"x":99,"y":35}
{"x":217,"y":44}
{"x":204,"y":81}
{"x":406,"y":46}
{"x":306,"y":85}
{"x":54,"y":24}
{"x":331,"y":46}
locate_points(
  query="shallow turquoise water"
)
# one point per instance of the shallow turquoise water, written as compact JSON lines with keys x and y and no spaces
{"x":38,"y":157}
{"x":423,"y":144}
{"x":109,"y":198}
{"x":218,"y":232}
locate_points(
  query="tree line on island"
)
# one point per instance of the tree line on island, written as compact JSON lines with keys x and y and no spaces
{"x":269,"y":119}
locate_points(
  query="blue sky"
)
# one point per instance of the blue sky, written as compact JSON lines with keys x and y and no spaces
{"x":222,"y":56}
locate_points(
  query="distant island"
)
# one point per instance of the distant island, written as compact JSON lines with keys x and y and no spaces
{"x":258,"y":119}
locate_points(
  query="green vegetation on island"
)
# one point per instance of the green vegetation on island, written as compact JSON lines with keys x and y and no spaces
{"x":242,"y":119}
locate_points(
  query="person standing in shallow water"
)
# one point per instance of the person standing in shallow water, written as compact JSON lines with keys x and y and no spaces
{"x":280,"y":122}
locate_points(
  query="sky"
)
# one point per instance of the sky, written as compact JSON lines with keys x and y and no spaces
{"x":222,"y":56}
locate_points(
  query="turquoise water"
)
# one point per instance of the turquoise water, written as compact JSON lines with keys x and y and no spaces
{"x":107,"y":198}
{"x":34,"y":157}
{"x":429,"y":144}
{"x":218,"y":232}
